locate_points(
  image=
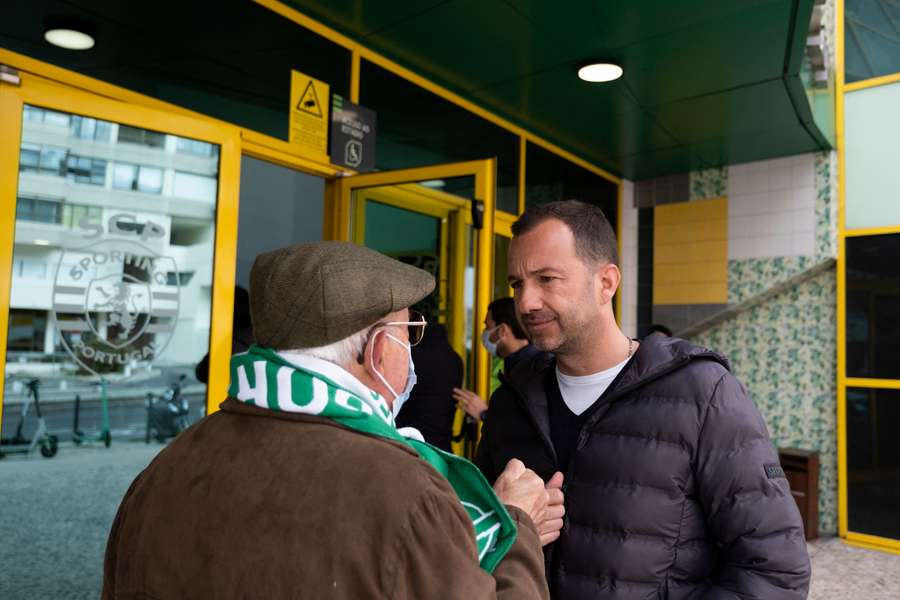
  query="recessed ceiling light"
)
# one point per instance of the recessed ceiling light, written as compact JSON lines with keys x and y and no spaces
{"x":69,"y":31}
{"x":600,"y":71}
{"x":434,"y":183}
{"x":42,"y":242}
{"x":70,"y":39}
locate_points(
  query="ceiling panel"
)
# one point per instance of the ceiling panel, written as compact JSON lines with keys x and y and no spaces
{"x":707,"y":82}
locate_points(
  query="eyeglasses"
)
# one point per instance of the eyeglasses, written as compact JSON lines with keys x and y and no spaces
{"x":416,"y":326}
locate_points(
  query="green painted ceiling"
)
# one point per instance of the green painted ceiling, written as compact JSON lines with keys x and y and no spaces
{"x":707,"y":82}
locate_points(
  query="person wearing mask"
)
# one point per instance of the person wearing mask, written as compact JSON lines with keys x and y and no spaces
{"x":302,"y":486}
{"x":503,"y":338}
{"x":673,"y":488}
{"x":439,"y":369}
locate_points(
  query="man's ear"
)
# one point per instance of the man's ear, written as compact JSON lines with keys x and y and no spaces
{"x":374,"y":351}
{"x":608,"y":277}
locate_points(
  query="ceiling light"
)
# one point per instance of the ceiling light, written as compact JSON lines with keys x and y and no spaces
{"x":41,"y":242}
{"x":434,"y":183}
{"x":600,"y":71}
{"x":70,"y":33}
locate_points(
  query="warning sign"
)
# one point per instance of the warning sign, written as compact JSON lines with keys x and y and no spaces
{"x":309,"y":116}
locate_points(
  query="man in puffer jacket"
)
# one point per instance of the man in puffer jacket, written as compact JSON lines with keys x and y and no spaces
{"x":672,"y":487}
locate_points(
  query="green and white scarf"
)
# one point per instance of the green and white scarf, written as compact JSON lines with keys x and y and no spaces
{"x":264,"y":378}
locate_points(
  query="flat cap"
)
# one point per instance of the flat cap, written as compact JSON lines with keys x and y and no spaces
{"x":311,"y":295}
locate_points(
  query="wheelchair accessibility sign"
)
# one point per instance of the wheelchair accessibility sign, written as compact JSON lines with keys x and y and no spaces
{"x":352,"y":135}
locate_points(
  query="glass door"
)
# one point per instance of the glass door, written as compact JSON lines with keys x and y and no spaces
{"x":433,"y":218}
{"x":113,"y":220}
{"x":117,"y":226}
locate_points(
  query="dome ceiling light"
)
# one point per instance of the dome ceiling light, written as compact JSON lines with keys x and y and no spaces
{"x":600,"y":71}
{"x":68,"y":33}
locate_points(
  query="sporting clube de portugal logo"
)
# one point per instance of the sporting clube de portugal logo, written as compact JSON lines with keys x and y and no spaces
{"x":116,"y":301}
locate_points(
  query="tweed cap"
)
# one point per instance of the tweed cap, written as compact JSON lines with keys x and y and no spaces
{"x":310,"y":295}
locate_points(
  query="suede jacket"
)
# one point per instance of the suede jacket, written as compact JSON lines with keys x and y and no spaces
{"x":251,"y":503}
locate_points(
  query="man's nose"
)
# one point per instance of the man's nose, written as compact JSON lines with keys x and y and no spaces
{"x":528,"y":298}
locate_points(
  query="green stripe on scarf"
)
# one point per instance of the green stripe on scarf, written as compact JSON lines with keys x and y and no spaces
{"x":263,"y":378}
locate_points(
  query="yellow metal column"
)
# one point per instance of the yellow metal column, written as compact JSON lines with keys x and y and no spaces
{"x":485,"y":190}
{"x":841,"y":289}
{"x":11,"y":117}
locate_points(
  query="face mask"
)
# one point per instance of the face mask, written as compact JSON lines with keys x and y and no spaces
{"x":401,"y":398}
{"x":490,"y":346}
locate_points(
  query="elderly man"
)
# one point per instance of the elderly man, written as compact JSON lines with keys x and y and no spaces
{"x":302,"y":487}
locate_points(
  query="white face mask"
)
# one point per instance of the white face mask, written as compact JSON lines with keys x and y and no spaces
{"x":401,"y":398}
{"x":490,"y":346}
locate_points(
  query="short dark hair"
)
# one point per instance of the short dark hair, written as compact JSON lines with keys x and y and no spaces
{"x":595,"y":240}
{"x":503,"y":312}
{"x":659,"y":328}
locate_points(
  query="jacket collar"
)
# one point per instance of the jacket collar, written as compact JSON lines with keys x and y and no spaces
{"x":656,"y":357}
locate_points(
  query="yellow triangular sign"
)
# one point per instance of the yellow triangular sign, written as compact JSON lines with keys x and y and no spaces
{"x":309,"y":101}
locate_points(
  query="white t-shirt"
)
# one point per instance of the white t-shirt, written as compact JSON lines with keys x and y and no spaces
{"x":579,"y":393}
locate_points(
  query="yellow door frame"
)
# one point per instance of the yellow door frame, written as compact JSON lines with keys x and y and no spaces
{"x":484,"y":173}
{"x":39,"y":91}
{"x":426,"y":201}
{"x":861,"y":540}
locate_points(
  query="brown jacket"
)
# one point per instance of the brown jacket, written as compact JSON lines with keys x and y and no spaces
{"x":251,"y":503}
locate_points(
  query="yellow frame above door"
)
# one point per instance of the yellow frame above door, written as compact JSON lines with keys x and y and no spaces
{"x":38,"y":91}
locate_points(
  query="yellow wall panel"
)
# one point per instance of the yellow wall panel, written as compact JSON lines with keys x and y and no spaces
{"x":690,"y":252}
{"x":676,"y":254}
{"x":701,"y":272}
{"x":690,"y":293}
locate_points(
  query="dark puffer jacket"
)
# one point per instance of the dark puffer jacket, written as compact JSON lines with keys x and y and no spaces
{"x":673,"y":490}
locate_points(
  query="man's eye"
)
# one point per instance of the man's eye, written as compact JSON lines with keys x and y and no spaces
{"x":515,"y":285}
{"x":547,"y":278}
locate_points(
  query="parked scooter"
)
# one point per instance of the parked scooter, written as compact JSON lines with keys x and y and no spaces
{"x":48,"y":443}
{"x":104,"y":435}
{"x":167,"y":414}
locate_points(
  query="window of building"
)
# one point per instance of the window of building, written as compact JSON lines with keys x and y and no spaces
{"x":196,"y":147}
{"x":71,"y":214}
{"x":37,"y":210}
{"x":144,"y":137}
{"x":194,"y":187}
{"x":872,"y":41}
{"x":26,"y":330}
{"x":84,"y":169}
{"x":34,"y":114}
{"x":86,"y":128}
{"x":42,"y":159}
{"x":138,"y":178}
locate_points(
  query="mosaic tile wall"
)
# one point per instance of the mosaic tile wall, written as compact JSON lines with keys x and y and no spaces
{"x":783,"y":351}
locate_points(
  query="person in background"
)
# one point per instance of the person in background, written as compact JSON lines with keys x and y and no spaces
{"x":241,"y":332}
{"x":660,"y":329}
{"x":301,"y":485}
{"x":504,"y":338}
{"x":439,"y":370}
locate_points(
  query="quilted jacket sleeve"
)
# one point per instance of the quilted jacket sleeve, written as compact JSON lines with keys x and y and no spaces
{"x":484,"y":458}
{"x":750,"y":512}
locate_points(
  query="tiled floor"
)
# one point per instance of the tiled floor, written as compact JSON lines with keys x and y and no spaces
{"x":841,"y":572}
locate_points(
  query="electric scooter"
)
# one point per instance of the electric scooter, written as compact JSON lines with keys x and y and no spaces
{"x":78,"y":436}
{"x":49,"y":444}
{"x":167,"y":414}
